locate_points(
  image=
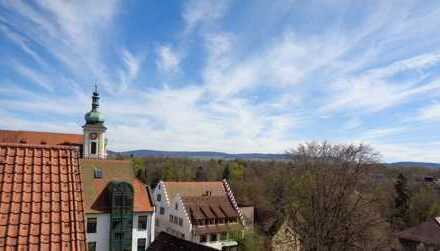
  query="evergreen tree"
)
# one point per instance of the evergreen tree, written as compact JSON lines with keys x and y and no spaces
{"x":401,"y":218}
{"x":226,"y":173}
{"x":201,"y":174}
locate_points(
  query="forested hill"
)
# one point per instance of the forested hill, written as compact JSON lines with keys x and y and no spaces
{"x":201,"y":155}
{"x":415,"y":164}
{"x":243,"y":156}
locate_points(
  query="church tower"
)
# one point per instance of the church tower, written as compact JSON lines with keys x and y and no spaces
{"x":95,"y":143}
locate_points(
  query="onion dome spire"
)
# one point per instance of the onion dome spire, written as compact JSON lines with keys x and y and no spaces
{"x":94,"y":116}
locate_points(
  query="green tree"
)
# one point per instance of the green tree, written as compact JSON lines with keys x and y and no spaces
{"x":252,"y":241}
{"x":401,"y":214}
{"x":425,"y":204}
{"x":138,"y":167}
{"x":201,"y":174}
{"x":235,"y":171}
{"x":169,"y":171}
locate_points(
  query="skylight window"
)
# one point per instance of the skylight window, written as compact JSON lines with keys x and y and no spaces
{"x":98,"y":173}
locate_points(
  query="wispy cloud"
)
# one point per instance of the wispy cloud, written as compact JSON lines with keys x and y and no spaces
{"x":230,"y":76}
{"x":35,"y":76}
{"x":431,"y":112}
{"x":167,"y":61}
{"x":202,"y":12}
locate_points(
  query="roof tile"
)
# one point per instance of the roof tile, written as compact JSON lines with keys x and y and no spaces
{"x":31,"y":198}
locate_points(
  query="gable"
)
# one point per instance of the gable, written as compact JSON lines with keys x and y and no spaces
{"x":95,"y":189}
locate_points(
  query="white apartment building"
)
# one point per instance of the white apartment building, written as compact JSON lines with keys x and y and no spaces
{"x":119,"y":211}
{"x":201,"y":212}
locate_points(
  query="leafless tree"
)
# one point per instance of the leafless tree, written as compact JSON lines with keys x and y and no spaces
{"x":330,"y":204}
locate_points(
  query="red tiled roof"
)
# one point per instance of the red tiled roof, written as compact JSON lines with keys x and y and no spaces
{"x":194,"y":188}
{"x":37,"y":138}
{"x":41,"y":199}
{"x":95,"y":199}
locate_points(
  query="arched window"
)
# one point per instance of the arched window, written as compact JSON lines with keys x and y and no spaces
{"x":93,"y":148}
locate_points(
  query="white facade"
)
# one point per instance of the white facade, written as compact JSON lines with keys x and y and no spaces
{"x":94,"y":134}
{"x":169,"y":209}
{"x":102,"y":235}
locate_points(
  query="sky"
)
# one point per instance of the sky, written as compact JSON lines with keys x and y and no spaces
{"x":222,"y":75}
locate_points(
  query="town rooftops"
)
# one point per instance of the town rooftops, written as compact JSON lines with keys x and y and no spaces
{"x":427,"y":232}
{"x":108,"y":171}
{"x":41,"y":205}
{"x":165,"y":241}
{"x":40,"y":138}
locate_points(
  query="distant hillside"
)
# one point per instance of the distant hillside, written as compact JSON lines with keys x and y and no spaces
{"x":201,"y":155}
{"x":243,"y":156}
{"x":415,"y":164}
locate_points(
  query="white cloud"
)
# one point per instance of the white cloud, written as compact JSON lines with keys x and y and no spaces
{"x":168,"y":60}
{"x":431,"y":112}
{"x":423,"y":152}
{"x":343,"y":67}
{"x":35,"y":76}
{"x":132,"y":64}
{"x":72,"y":32}
{"x":372,"y":91}
{"x":199,"y":12}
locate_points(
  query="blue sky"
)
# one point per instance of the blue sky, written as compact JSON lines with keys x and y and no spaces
{"x":234,"y":76}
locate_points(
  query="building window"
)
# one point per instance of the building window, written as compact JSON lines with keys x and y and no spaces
{"x":223,"y":236}
{"x":177,"y":206}
{"x":142,"y":222}
{"x":213,"y":237}
{"x":98,"y":173}
{"x":171,"y":218}
{"x":157,"y":222}
{"x":91,"y":225}
{"x":203,"y":238}
{"x":119,"y":236}
{"x":91,"y":246}
{"x":116,"y":223}
{"x":141,"y":244}
{"x":93,"y":148}
{"x":180,"y":221}
{"x":162,"y":210}
{"x":159,"y":197}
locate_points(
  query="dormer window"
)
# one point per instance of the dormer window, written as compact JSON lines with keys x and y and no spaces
{"x":98,"y":173}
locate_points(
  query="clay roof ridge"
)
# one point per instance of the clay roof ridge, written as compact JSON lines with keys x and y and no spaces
{"x":38,"y":146}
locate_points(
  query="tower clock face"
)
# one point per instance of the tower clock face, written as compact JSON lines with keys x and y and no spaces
{"x":93,"y":136}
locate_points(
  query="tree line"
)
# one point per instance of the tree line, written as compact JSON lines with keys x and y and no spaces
{"x":337,"y":197}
